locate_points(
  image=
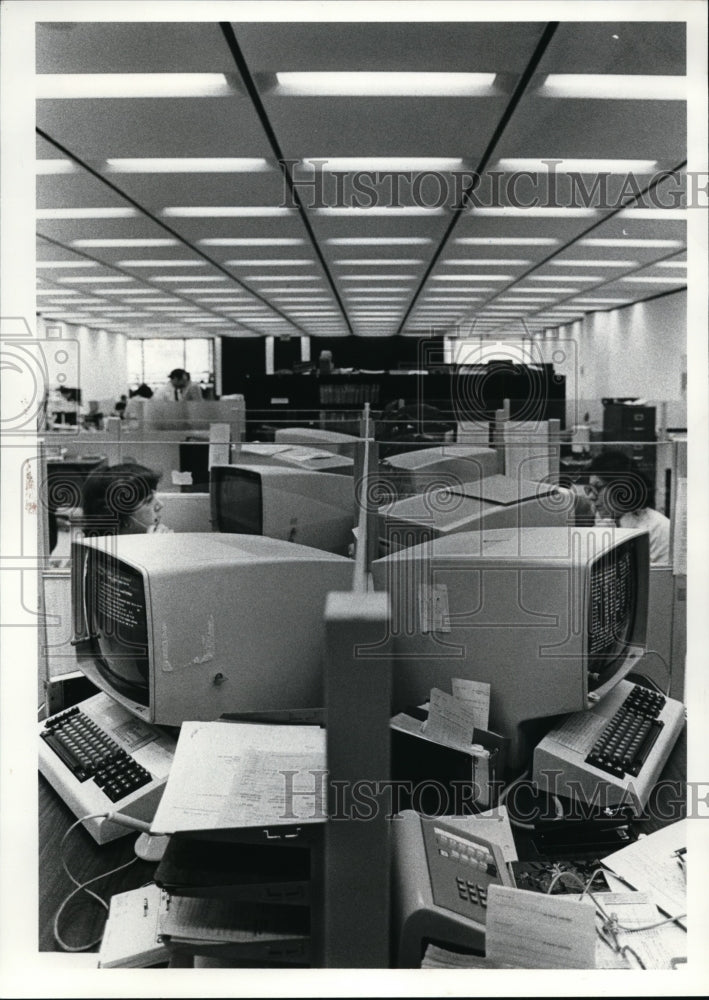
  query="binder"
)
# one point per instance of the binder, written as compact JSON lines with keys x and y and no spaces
{"x":275,"y":871}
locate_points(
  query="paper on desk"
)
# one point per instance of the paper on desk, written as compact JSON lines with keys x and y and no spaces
{"x":450,"y":721}
{"x":656,"y":947}
{"x":130,"y":938}
{"x":533,"y":931}
{"x":649,"y":864}
{"x":231,"y":775}
{"x":478,"y":694}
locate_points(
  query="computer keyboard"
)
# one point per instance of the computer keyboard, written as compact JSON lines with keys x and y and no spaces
{"x":100,"y":758}
{"x":614,"y":752}
{"x":625,"y":742}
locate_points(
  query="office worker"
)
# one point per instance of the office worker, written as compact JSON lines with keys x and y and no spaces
{"x":621,"y":494}
{"x":180,"y":388}
{"x":120,"y":500}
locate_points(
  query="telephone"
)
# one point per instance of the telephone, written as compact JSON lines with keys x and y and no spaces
{"x":441,"y":869}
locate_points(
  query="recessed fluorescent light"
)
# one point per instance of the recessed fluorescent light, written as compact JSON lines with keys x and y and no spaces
{"x":145,"y":291}
{"x":641,"y":280}
{"x":387,"y":288}
{"x":124,"y":243}
{"x":56,"y":292}
{"x":563,"y":165}
{"x":55,"y":167}
{"x":129,"y":297}
{"x":188,"y":165}
{"x":283,"y":277}
{"x":557,"y":289}
{"x":377,"y":298}
{"x":614,"y":87}
{"x":489,"y":262}
{"x":670,"y":263}
{"x":86,"y":213}
{"x":372,"y":241}
{"x":224,"y":211}
{"x":448,"y":291}
{"x":100,"y":85}
{"x":539,"y":299}
{"x":251,"y":241}
{"x":338,"y":164}
{"x":468,"y":298}
{"x":65,"y":263}
{"x":377,"y":277}
{"x":280,"y":262}
{"x":187,"y":277}
{"x":510,"y":241}
{"x":590,"y":278}
{"x":623,"y":242}
{"x":363,"y":213}
{"x":369,"y":84}
{"x":597,"y":301}
{"x":656,"y":214}
{"x":379,"y":261}
{"x":95,"y":279}
{"x":161,"y":263}
{"x":472,"y":277}
{"x":510,"y":212}
{"x":593,"y":263}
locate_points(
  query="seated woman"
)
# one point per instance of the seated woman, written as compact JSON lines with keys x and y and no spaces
{"x":621,"y":494}
{"x":120,"y":500}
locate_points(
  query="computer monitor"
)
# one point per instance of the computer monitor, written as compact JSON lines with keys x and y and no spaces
{"x":551,"y":618}
{"x":191,"y":626}
{"x":284,"y":502}
{"x":417,"y":471}
{"x":334,"y":441}
{"x":496,"y":502}
{"x":295,"y":456}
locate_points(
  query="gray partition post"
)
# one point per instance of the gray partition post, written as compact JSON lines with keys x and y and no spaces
{"x":356,"y":861}
{"x":366,"y":462}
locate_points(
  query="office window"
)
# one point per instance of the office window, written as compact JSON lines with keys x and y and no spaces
{"x":150,"y":360}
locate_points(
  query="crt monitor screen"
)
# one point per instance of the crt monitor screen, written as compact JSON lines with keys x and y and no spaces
{"x":117,"y":616}
{"x":237,"y":500}
{"x":193,"y":625}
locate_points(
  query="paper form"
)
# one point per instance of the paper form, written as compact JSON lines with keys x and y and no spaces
{"x":656,"y":948}
{"x":450,"y":720}
{"x":650,"y":866}
{"x":478,"y":694}
{"x":230,"y":775}
{"x":196,"y":919}
{"x":130,"y":938}
{"x":533,"y":931}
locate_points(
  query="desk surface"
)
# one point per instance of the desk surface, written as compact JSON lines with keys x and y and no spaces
{"x":83,"y":919}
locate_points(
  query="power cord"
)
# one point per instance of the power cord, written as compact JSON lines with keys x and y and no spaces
{"x":83,"y":886}
{"x":608,"y":932}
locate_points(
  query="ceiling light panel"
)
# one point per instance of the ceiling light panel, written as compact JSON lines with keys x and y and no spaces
{"x":384,"y":84}
{"x":92,"y":86}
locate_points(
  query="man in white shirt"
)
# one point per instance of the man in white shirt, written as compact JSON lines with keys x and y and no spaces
{"x":180,"y":388}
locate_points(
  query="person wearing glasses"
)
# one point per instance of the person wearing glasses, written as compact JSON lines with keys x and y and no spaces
{"x":121,"y":500}
{"x":621,"y":496}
